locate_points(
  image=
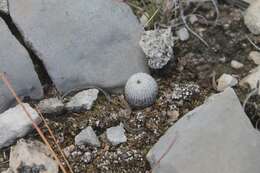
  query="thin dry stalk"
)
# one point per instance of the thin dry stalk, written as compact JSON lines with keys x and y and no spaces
{"x":217,"y":10}
{"x":187,"y":26}
{"x":11,"y":89}
{"x":152,"y":17}
{"x":251,"y":41}
{"x":54,"y":139}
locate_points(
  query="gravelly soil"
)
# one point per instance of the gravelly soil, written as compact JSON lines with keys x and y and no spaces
{"x":192,"y":68}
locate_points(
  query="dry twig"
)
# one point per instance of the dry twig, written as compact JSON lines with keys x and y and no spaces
{"x":187,"y":26}
{"x":251,"y":41}
{"x":11,"y":89}
{"x":54,"y":139}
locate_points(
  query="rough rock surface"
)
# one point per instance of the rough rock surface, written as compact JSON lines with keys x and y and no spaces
{"x":87,"y":136}
{"x":116,"y":135}
{"x":14,"y":124}
{"x":16,"y":62}
{"x":158,"y":47}
{"x":251,"y":79}
{"x":3,"y":6}
{"x":31,"y":157}
{"x":255,"y":56}
{"x":225,"y":81}
{"x":252,"y":17}
{"x":82,"y":101}
{"x":215,"y":137}
{"x":51,"y":106}
{"x":89,"y":42}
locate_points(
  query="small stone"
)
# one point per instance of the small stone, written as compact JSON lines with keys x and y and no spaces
{"x":251,"y":79}
{"x":51,"y":106}
{"x":255,"y":56}
{"x":236,"y":65}
{"x":252,"y":17}
{"x":68,"y":150}
{"x":82,"y":101}
{"x":173,"y":115}
{"x":183,"y":34}
{"x":14,"y":124}
{"x":87,"y":136}
{"x":226,"y":81}
{"x":193,"y":18}
{"x":30,"y":157}
{"x":116,"y":135}
{"x":223,"y":59}
{"x":158,"y":47}
{"x":87,"y":157}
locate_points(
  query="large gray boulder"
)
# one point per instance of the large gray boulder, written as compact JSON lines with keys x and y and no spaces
{"x":215,"y":137}
{"x":83,"y":42}
{"x":16,"y":62}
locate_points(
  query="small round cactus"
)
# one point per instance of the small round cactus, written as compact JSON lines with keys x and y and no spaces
{"x":141,"y":90}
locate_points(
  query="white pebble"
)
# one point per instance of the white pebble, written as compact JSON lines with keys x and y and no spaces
{"x":183,"y":34}
{"x":236,"y":65}
{"x":226,"y":81}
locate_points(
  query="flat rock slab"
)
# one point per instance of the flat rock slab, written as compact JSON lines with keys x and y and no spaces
{"x":83,"y":42}
{"x":16,"y":62}
{"x":215,"y":137}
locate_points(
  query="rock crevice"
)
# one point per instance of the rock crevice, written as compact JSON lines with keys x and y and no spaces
{"x":38,"y":65}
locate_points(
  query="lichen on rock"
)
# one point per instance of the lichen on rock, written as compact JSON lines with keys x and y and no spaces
{"x":158,"y":47}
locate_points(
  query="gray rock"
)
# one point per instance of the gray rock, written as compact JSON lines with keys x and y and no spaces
{"x":87,"y":136}
{"x":215,"y":137}
{"x":183,"y":34}
{"x":14,"y":124}
{"x":158,"y":47}
{"x":82,"y":101}
{"x":89,"y":42}
{"x":3,"y":6}
{"x":51,"y":106}
{"x":16,"y":62}
{"x":32,"y":156}
{"x":116,"y":135}
{"x":252,"y":17}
